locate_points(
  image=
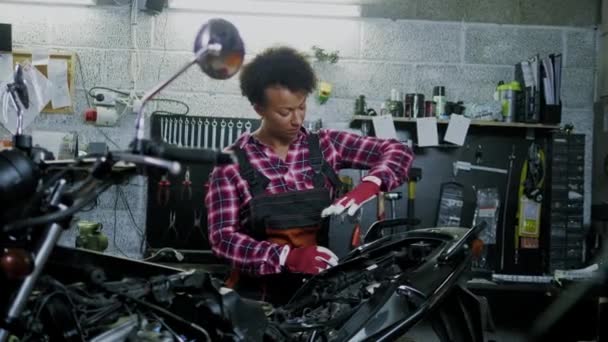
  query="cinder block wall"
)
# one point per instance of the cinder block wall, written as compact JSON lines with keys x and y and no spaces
{"x":411,"y":55}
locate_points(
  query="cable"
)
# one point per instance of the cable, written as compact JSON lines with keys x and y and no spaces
{"x":144,"y":240}
{"x":114,"y":90}
{"x":89,"y":101}
{"x":115,"y":219}
{"x":179,"y":256}
{"x":187,"y":108}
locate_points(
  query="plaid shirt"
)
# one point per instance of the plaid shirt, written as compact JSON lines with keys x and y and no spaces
{"x":228,"y":194}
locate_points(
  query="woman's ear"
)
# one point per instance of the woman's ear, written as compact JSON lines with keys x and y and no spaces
{"x":259,"y":109}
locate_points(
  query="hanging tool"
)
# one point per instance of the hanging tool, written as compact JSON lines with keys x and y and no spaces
{"x":162,"y":129}
{"x":200,"y":129}
{"x":206,"y":135}
{"x":230,"y":133}
{"x":414,"y":176}
{"x":214,"y":135}
{"x":197,"y":225}
{"x":171,"y":229}
{"x":187,"y":186}
{"x":163,"y":192}
{"x":393,"y":197}
{"x":356,"y":238}
{"x":192,"y":132}
{"x":248,"y":127}
{"x":174,"y":131}
{"x":530,"y":194}
{"x":179,"y":132}
{"x":170,"y":135}
{"x":466,"y":166}
{"x":505,"y":211}
{"x":186,"y":129}
{"x":222,"y":144}
{"x":239,"y":128}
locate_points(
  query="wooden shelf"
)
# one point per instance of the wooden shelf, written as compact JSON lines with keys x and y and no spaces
{"x":486,"y":123}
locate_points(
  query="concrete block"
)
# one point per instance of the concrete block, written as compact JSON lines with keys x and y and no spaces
{"x":132,"y":194}
{"x":440,"y":10}
{"x":117,"y":69}
{"x":478,"y":82}
{"x":491,"y":11}
{"x":428,"y":76}
{"x":192,"y":80}
{"x":91,"y":62}
{"x":335,"y":110}
{"x":580,"y":48}
{"x":30,"y":26}
{"x":390,"y":9}
{"x":411,"y":41}
{"x":179,"y":30}
{"x":578,"y":87}
{"x":261,"y":32}
{"x":491,"y":44}
{"x":99,"y":27}
{"x":583,"y":123}
{"x":564,"y":12}
{"x":374,"y":80}
{"x":217,"y":105}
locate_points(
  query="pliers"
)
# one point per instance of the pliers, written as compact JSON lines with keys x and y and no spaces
{"x":163,"y":192}
{"x":171,"y":229}
{"x":187,"y":186}
{"x":196,"y":227}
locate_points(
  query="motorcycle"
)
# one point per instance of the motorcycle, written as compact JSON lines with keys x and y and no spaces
{"x":50,"y":293}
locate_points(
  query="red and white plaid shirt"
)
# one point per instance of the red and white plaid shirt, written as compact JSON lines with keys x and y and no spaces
{"x":228,"y":194}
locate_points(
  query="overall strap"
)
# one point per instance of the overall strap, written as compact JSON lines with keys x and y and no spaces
{"x":257,"y":181}
{"x":319,"y":165}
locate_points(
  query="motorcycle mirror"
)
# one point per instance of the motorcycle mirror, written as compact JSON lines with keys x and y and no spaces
{"x":20,"y":87}
{"x":219,"y":49}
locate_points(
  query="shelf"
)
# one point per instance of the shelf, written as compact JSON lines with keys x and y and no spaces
{"x":486,"y":123}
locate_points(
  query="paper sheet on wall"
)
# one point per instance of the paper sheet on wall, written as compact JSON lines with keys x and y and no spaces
{"x":384,"y":126}
{"x":6,"y":67}
{"x":40,"y":56}
{"x":427,"y":132}
{"x":457,"y":129}
{"x":58,"y":75}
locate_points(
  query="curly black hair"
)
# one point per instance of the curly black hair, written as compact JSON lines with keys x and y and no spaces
{"x":282,"y":66}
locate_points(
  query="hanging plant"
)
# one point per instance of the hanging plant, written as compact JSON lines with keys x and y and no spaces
{"x":324,"y":56}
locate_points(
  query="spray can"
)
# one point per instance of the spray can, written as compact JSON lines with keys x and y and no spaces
{"x":507,"y":96}
{"x":440,"y":100}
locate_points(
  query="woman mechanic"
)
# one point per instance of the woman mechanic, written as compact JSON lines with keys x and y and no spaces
{"x":268,"y":215}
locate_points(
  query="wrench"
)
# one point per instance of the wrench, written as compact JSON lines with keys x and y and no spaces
{"x":222,"y":135}
{"x":230,"y":137}
{"x":206,"y":135}
{"x":179,"y":132}
{"x":200,"y":129}
{"x":192,"y":133}
{"x":214,"y":135}
{"x":172,"y":130}
{"x":162,"y":129}
{"x":248,"y":126}
{"x":239,"y":128}
{"x":187,"y":122}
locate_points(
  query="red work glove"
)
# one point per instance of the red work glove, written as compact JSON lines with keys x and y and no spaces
{"x":353,"y":200}
{"x":309,"y":260}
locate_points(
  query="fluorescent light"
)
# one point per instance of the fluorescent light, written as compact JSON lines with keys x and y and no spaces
{"x":59,"y":2}
{"x":54,"y":2}
{"x":270,"y":7}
